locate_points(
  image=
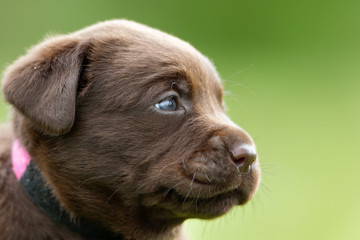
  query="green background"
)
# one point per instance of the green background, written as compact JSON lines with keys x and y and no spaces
{"x":291,"y":72}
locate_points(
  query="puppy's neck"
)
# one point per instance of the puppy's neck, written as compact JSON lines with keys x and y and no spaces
{"x":39,"y":192}
{"x":36,"y":187}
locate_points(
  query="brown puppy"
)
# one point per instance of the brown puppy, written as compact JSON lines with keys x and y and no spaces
{"x":127,"y":134}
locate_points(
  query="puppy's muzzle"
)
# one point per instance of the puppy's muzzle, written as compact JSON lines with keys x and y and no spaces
{"x":226,"y":162}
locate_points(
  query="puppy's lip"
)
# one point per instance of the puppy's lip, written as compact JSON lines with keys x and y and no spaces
{"x":200,"y":207}
{"x":190,"y":188}
{"x":214,"y":187}
{"x":188,"y":197}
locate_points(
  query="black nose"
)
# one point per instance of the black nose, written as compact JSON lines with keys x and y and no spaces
{"x":243,"y":156}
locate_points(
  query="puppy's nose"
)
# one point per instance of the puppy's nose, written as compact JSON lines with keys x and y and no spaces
{"x":243,"y":156}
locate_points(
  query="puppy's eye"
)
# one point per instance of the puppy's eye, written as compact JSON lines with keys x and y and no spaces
{"x":168,"y":104}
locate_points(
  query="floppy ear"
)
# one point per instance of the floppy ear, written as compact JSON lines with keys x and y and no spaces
{"x":42,"y":85}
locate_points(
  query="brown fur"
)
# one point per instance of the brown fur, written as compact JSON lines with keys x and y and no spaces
{"x":85,"y":110}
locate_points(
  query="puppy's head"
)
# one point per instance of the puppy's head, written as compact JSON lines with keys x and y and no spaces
{"x":127,"y":125}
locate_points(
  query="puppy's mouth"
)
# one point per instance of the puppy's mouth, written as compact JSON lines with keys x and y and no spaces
{"x":194,"y":198}
{"x":201,"y":207}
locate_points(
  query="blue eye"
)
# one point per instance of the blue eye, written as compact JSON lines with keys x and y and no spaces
{"x":168,"y":104}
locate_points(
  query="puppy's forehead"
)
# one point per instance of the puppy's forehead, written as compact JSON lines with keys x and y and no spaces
{"x":153,"y":52}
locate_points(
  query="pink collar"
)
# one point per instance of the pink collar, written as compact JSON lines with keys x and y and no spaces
{"x":20,"y":158}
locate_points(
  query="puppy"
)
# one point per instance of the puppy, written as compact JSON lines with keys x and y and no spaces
{"x":119,"y":132}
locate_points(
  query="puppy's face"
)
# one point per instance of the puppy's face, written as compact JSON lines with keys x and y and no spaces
{"x":147,"y":138}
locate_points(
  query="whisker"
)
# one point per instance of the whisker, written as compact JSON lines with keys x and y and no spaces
{"x":166,"y":166}
{"x":224,"y":180}
{"x":184,"y":164}
{"x":107,"y":201}
{"x":240,"y":173}
{"x":262,"y":163}
{"x":197,"y":198}
{"x":192,"y":181}
{"x":167,"y":192}
{"x":266,"y":187}
{"x":190,"y":190}
{"x":264,"y":172}
{"x":236,"y":99}
{"x":89,"y":179}
{"x":239,"y":71}
{"x":254,"y":206}
{"x":207,"y":177}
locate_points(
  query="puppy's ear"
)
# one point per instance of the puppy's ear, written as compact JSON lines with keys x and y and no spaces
{"x":42,"y":85}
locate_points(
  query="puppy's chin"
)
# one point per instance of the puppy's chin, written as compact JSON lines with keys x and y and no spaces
{"x":201,"y":208}
{"x":203,"y":201}
{"x":185,"y":207}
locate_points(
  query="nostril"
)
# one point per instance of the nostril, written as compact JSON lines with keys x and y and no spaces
{"x":243,"y":156}
{"x":239,"y":161}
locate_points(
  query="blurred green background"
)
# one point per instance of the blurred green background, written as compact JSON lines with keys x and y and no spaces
{"x":292,"y":75}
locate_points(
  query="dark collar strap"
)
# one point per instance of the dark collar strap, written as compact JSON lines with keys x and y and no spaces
{"x":41,"y":195}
